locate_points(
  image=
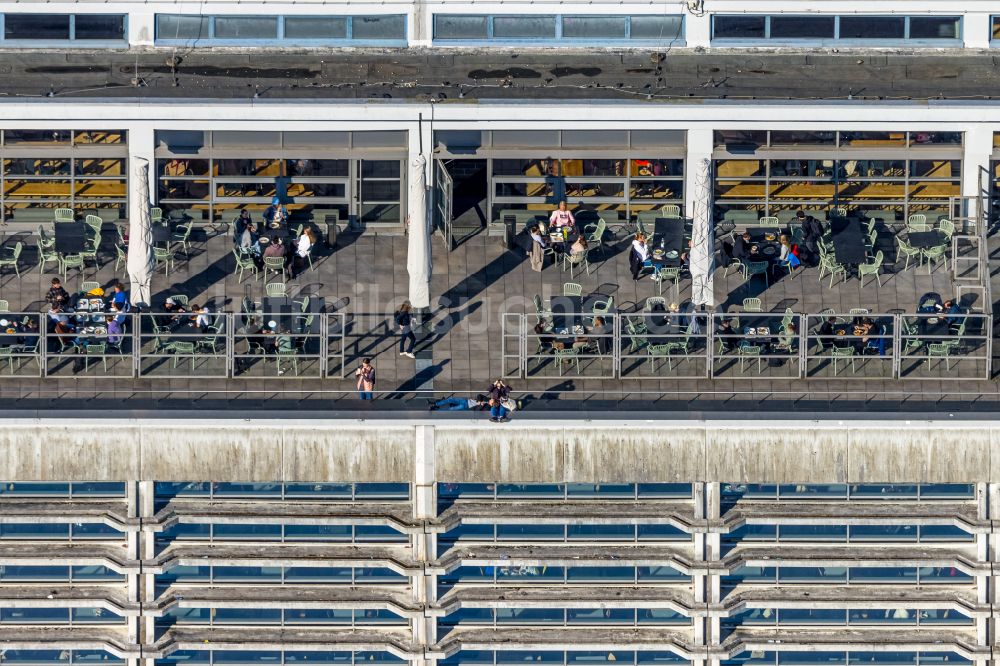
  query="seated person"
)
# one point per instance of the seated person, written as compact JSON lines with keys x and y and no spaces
{"x":929,"y":303}
{"x":171,"y":312}
{"x":953,"y":310}
{"x":578,"y":247}
{"x":57,"y":296}
{"x":601,"y":331}
{"x":536,"y":236}
{"x":240,"y":225}
{"x":275,"y":249}
{"x":827,"y":332}
{"x":118,"y":312}
{"x":248,"y":240}
{"x":29,"y":338}
{"x":62,"y":326}
{"x":284,"y":342}
{"x":725,"y":331}
{"x":118,"y":296}
{"x":741,"y":246}
{"x":459,"y":404}
{"x":788,"y":339}
{"x":275,"y":212}
{"x":202,"y":318}
{"x":545,"y":339}
{"x":115,"y":331}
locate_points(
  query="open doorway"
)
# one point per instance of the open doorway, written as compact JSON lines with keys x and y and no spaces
{"x":470,"y":194}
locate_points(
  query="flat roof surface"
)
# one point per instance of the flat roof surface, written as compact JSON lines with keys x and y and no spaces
{"x":468,"y":74}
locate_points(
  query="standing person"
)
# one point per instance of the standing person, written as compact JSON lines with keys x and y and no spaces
{"x":638,"y":255}
{"x":561,"y":218}
{"x":499,"y":401}
{"x":536,"y":253}
{"x":366,"y":379}
{"x":404,"y":324}
{"x":302,"y":250}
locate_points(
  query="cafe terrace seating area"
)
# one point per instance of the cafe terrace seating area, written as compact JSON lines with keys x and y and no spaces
{"x":580,"y":325}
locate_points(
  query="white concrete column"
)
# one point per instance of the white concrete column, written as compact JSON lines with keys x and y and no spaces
{"x":418,"y":196}
{"x":976,"y":157}
{"x":698,"y":28}
{"x":424,"y":628}
{"x":147,"y":551}
{"x":976,"y":30}
{"x":141,"y":27}
{"x":699,"y":147}
{"x":141,"y":143}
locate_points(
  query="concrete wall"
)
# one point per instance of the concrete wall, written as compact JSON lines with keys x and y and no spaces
{"x":521,"y":451}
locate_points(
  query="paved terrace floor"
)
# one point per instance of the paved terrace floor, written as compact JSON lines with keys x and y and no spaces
{"x":460,"y":353}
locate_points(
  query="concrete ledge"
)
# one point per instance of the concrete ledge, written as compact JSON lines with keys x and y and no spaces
{"x":526,"y":451}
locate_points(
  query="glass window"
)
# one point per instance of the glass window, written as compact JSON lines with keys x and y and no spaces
{"x":813,"y":532}
{"x":996,"y":35}
{"x":664,"y":490}
{"x":37,"y":137}
{"x":802,"y":138}
{"x":455,"y":26}
{"x":36,"y":26}
{"x":883,"y":574}
{"x":176,"y":26}
{"x":934,"y":27}
{"x":812,"y":616}
{"x":656,"y":28}
{"x":883,"y":532}
{"x":99,"y":26}
{"x":872,"y":27}
{"x":802,"y":27}
{"x":593,"y":27}
{"x":246,"y":27}
{"x":315,"y":27}
{"x":738,"y":27}
{"x":378,"y":27}
{"x":524,"y":27}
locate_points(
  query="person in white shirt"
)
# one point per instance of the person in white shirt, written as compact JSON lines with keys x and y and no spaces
{"x":202,"y":320}
{"x":302,"y":249}
{"x":638,"y":255}
{"x":561,"y":217}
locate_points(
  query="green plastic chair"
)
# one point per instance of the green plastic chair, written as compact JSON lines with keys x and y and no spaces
{"x":99,"y":350}
{"x":572,"y":261}
{"x":245,"y":263}
{"x":594,"y":234}
{"x":827,"y":264}
{"x":748,"y":353}
{"x":572,"y":289}
{"x":163,"y":256}
{"x":183,"y":238}
{"x":275,"y":289}
{"x":181,"y":349}
{"x":656,"y":352}
{"x":752,"y":268}
{"x":670,"y":275}
{"x":917,"y":222}
{"x":68,"y":261}
{"x":670,"y":210}
{"x":636,"y":334}
{"x":940,"y":350}
{"x":604,"y":307}
{"x":769,"y":222}
{"x":64,"y":215}
{"x":12,"y":260}
{"x":933,"y":255}
{"x":155,"y":215}
{"x":653,"y":301}
{"x":903,"y":248}
{"x":873,"y":268}
{"x":567,"y":356}
{"x":947,"y":228}
{"x":752,"y":305}
{"x":844,"y":355}
{"x":288,"y":354}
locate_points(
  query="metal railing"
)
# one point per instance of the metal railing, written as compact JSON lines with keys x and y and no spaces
{"x":856,"y":346}
{"x":168,"y":345}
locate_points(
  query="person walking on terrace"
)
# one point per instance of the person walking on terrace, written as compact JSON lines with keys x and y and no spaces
{"x":404,"y":325}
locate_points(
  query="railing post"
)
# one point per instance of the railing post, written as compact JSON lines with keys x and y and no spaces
{"x":803,"y":343}
{"x":136,"y":321}
{"x":897,"y":345}
{"x":324,"y":344}
{"x":710,"y":345}
{"x":230,"y":345}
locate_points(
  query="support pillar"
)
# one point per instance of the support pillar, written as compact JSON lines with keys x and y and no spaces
{"x":418,"y":259}
{"x":424,"y":585}
{"x":977,"y":151}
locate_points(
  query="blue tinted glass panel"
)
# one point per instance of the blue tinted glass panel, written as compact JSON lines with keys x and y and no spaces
{"x":751,"y":574}
{"x":523,"y":656}
{"x":247,"y":573}
{"x":661,"y":574}
{"x":236,"y":531}
{"x":752,"y":533}
{"x":456,"y":490}
{"x":318,"y":574}
{"x":187,"y":616}
{"x":601,"y":532}
{"x":186,"y":531}
{"x":184,"y":574}
{"x":522,"y":532}
{"x":664,"y":490}
{"x":800,"y":491}
{"x":319,"y":491}
{"x":96,"y":531}
{"x":175,"y":489}
{"x":883,"y":532}
{"x":943,"y":575}
{"x":505,"y":490}
{"x":948,"y":490}
{"x":882,"y":616}
{"x":810,"y":658}
{"x":187,"y":657}
{"x":39,"y":572}
{"x":873,"y":491}
{"x":749,"y":491}
{"x":524,"y":572}
{"x":34,"y":531}
{"x":94,"y":615}
{"x":33,"y":615}
{"x":883,"y":658}
{"x":380,"y":533}
{"x":470,"y":657}
{"x":377,"y":575}
{"x":248,"y":615}
{"x":943,"y":658}
{"x":36,"y":656}
{"x":751,"y":617}
{"x":468,"y":616}
{"x":883,"y":574}
{"x":664,"y":657}
{"x":318,"y":532}
{"x":661,"y":616}
{"x":530,"y":615}
{"x":600,"y":657}
{"x":95,"y":572}
{"x":809,"y":574}
{"x":600,"y":615}
{"x":382,"y":490}
{"x":246,"y":657}
{"x":247,"y":489}
{"x":322,"y":616}
{"x":662,"y":533}
{"x":296,"y":657}
{"x":943,"y":616}
{"x":600,"y":490}
{"x":812,"y":616}
{"x":469,"y":532}
{"x":99,"y":488}
{"x":813,"y":532}
{"x":95,"y":656}
{"x":467,"y":573}
{"x":600,"y":573}
{"x":23,"y":488}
